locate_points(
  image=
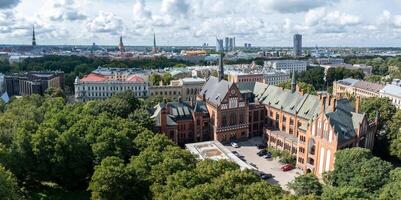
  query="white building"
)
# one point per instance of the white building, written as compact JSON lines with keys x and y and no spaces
{"x":393,"y":92}
{"x":104,"y":82}
{"x":291,"y":65}
{"x":276,"y":77}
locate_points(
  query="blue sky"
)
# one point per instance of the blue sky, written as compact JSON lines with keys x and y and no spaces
{"x":194,"y":22}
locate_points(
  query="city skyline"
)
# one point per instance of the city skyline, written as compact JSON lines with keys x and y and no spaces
{"x":336,"y":23}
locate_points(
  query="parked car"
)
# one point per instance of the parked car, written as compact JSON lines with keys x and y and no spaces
{"x":262,"y":152}
{"x":286,"y":167}
{"x":237,"y":154}
{"x":234,"y":144}
{"x":265,"y":176}
{"x":261,"y":146}
{"x":253,"y":165}
{"x":267,"y":155}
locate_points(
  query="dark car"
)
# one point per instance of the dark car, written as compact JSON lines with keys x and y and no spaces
{"x":268,"y":155}
{"x":261,"y":146}
{"x":262,"y":152}
{"x":237,"y":154}
{"x":253,"y":165}
{"x":265,"y":176}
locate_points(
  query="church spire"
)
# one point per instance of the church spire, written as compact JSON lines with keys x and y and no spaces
{"x":121,"y":45}
{"x":33,"y":36}
{"x":293,"y":82}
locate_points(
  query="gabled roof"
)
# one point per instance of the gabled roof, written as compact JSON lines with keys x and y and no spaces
{"x":344,"y":120}
{"x":215,"y":90}
{"x":307,"y":106}
{"x":177,"y":111}
{"x":135,"y":78}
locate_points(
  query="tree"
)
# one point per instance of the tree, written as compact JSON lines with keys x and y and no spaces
{"x":155,"y":78}
{"x":383,"y":105}
{"x":304,"y":87}
{"x":374,"y":78}
{"x":8,"y":185}
{"x":345,"y":192}
{"x":166,"y":78}
{"x":111,"y":180}
{"x":55,"y":92}
{"x":392,"y":190}
{"x":306,"y":184}
{"x":314,"y":77}
{"x":143,"y":118}
{"x":357,"y":167}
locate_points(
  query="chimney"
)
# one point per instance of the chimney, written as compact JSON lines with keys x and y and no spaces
{"x":163,"y":119}
{"x":323,"y":103}
{"x":358,"y":104}
{"x":333,"y":103}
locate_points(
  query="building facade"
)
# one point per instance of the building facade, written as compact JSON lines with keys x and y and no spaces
{"x":185,"y":89}
{"x":25,"y":84}
{"x":358,"y":88}
{"x":244,"y":77}
{"x":393,"y":92}
{"x":104,"y":82}
{"x":183,"y":121}
{"x":291,"y":65}
{"x":276,"y":77}
{"x":311,"y":128}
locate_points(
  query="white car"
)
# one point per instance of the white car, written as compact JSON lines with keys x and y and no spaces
{"x":234,"y":144}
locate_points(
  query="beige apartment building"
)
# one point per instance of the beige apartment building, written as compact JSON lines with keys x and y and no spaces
{"x":357,"y":88}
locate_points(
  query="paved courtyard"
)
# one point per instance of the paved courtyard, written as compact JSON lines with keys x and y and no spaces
{"x":249,"y":150}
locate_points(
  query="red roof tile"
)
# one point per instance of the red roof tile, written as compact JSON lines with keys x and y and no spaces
{"x":136,"y":79}
{"x":92,"y":77}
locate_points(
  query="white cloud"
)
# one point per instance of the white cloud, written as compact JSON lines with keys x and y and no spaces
{"x":177,"y":8}
{"x":292,"y":6}
{"x":105,"y":23}
{"x":61,"y":10}
{"x":139,"y":10}
{"x":325,"y":20}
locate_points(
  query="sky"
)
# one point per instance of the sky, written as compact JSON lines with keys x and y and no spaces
{"x":335,"y":23}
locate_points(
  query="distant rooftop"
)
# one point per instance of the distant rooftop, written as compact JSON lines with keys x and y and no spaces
{"x":392,"y":90}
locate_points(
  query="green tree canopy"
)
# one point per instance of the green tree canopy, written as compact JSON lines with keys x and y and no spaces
{"x":306,"y":184}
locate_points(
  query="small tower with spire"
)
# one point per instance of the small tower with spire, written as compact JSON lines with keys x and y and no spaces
{"x":154,"y":49}
{"x":121,"y":45}
{"x":293,"y":82}
{"x":33,"y":36}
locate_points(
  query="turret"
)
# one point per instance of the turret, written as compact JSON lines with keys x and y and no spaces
{"x":293,"y":82}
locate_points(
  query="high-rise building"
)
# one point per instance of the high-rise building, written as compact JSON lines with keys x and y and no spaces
{"x":33,"y":37}
{"x":219,"y":45}
{"x":231,"y":44}
{"x":226,"y":43}
{"x":297,"y":45}
{"x":154,"y":49}
{"x":121,"y":45}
